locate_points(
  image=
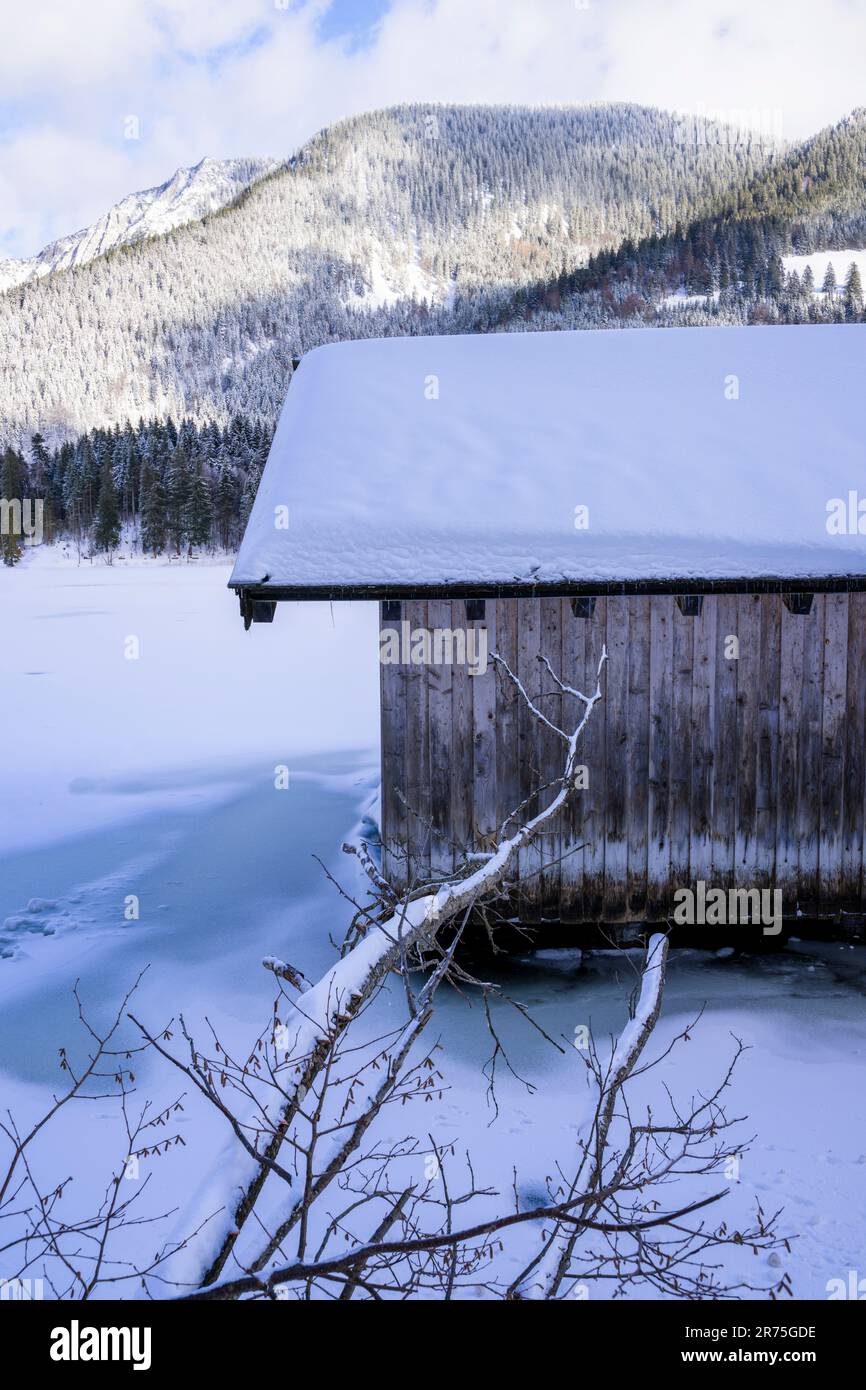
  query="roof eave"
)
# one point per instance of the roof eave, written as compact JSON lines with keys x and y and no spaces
{"x":560,"y":588}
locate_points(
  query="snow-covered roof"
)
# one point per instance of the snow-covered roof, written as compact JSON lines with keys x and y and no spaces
{"x":700,"y":454}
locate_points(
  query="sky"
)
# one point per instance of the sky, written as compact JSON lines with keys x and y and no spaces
{"x":99,"y":98}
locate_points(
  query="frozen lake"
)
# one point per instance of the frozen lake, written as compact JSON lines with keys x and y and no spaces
{"x":154,"y":779}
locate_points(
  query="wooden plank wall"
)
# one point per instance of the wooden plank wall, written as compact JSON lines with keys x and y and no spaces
{"x":730,"y":747}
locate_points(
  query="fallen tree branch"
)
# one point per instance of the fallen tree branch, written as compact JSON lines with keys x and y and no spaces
{"x":328,"y":1007}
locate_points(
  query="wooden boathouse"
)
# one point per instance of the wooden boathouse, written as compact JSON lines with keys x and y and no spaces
{"x":688,"y":497}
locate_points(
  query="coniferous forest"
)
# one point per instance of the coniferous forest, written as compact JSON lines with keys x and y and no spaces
{"x":170,"y":489}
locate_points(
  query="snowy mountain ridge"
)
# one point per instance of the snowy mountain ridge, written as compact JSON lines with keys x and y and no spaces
{"x":415,"y":219}
{"x":189,"y":195}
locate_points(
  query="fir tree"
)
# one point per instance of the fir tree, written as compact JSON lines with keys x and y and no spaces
{"x":106,"y":527}
{"x":829,"y":285}
{"x":177,"y":491}
{"x":775,"y":276}
{"x":853,"y":290}
{"x":248,"y":496}
{"x":42,"y":484}
{"x":39,"y":472}
{"x":198,"y":511}
{"x":226,"y":503}
{"x":154,"y":528}
{"x":11,"y":478}
{"x":73,"y":489}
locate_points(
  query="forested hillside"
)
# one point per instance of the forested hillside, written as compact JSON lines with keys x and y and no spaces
{"x":410,"y":220}
{"x":727,"y":267}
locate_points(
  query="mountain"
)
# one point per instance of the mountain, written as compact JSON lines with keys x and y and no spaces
{"x":186,"y":197}
{"x":411,"y":220}
{"x":824,"y":177}
{"x":741,"y":261}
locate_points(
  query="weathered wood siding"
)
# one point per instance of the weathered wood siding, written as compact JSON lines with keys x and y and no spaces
{"x":745,"y":771}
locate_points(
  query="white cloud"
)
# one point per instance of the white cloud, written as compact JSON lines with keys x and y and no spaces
{"x":43,"y":174}
{"x":791,"y":57}
{"x":234,"y":77}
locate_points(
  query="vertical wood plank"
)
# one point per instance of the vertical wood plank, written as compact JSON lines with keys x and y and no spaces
{"x":748,"y":685}
{"x":573,"y":673}
{"x":439,"y":707}
{"x":855,"y":757}
{"x":790,"y":730}
{"x":616,"y":762}
{"x":529,"y":674}
{"x":681,"y":748}
{"x":809,"y":767}
{"x":724,"y":799}
{"x":485,"y":823}
{"x":659,"y":900}
{"x":703,"y":715}
{"x":593,"y":800}
{"x":417,"y":752}
{"x":461,"y":746}
{"x":768,"y":738}
{"x":551,"y":751}
{"x":833,"y":749}
{"x":507,"y":766}
{"x":637,"y":791}
{"x":394,"y":830}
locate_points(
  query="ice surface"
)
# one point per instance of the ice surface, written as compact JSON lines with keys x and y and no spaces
{"x":104,"y":738}
{"x":183,"y":813}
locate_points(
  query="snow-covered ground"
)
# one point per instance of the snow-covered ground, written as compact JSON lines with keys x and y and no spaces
{"x":683,"y":300}
{"x":134,"y":686}
{"x":155,"y":778}
{"x":841,"y":262}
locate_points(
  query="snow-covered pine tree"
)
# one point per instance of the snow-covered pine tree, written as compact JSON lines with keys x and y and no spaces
{"x":177,"y":492}
{"x":853,"y":291}
{"x":106,"y":526}
{"x":12,"y":474}
{"x":198,"y":511}
{"x":250,"y":488}
{"x":154,"y":531}
{"x":226,"y":505}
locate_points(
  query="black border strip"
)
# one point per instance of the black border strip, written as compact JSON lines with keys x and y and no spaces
{"x":561,"y":588}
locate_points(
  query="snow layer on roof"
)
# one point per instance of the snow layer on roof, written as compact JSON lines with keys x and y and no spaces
{"x":699,"y":453}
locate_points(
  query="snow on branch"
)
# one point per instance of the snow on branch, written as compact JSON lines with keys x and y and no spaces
{"x":325,"y":1010}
